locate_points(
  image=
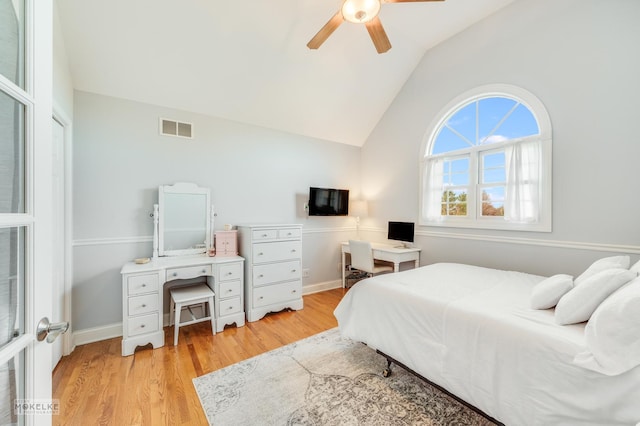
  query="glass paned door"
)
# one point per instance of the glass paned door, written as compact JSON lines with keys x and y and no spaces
{"x":12,"y":374}
{"x":25,"y":173}
{"x":13,"y":252}
{"x":12,"y":31}
{"x":12,"y":151}
{"x":12,"y":208}
{"x":11,"y":319}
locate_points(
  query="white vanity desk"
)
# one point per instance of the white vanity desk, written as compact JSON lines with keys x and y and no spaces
{"x":183,"y":228}
{"x":142,"y":294}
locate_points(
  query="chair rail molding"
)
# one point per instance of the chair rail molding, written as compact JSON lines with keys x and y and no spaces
{"x":149,"y":238}
{"x":576,"y":245}
{"x":112,"y":240}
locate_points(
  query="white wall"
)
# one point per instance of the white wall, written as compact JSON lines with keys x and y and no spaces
{"x":62,"y":80}
{"x":255,"y":175}
{"x":580,"y":58}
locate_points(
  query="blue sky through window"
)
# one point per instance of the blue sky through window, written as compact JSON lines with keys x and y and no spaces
{"x":493,"y":169}
{"x":496,"y":195}
{"x":456,"y":172}
{"x":485,"y":121}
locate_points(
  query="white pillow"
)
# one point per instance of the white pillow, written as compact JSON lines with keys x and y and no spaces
{"x":579,"y":303}
{"x":547,"y":292}
{"x":636,"y":267}
{"x":611,"y":335}
{"x":602,"y":264}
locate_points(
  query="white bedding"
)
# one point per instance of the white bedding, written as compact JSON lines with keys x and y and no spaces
{"x":471,"y":330}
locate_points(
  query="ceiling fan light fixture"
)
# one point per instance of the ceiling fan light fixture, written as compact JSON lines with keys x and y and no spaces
{"x":360,"y":11}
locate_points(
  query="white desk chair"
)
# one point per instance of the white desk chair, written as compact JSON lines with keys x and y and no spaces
{"x":186,"y":298}
{"x":362,"y":258}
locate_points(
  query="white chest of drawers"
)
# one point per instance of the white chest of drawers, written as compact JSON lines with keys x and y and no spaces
{"x":229,"y":295}
{"x":142,"y":294}
{"x":141,"y":299}
{"x":273,"y":268}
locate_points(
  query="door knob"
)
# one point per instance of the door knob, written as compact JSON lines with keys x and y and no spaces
{"x":49,"y":330}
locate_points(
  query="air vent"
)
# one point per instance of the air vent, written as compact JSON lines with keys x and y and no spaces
{"x":176,"y":128}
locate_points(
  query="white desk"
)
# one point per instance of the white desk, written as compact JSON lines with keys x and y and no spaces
{"x":143,"y":293}
{"x":388,"y":253}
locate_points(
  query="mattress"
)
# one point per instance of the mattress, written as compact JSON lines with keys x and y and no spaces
{"x":470,"y":330}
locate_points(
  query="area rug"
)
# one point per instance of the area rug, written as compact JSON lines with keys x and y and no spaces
{"x":324,"y":380}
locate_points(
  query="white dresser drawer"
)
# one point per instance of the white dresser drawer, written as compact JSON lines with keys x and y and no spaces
{"x":264,"y":234}
{"x":139,"y":284}
{"x":230,"y":289}
{"x":277,"y":293}
{"x":142,"y":324}
{"x":276,"y":251}
{"x":188,"y":272}
{"x":289,"y":233}
{"x":274,"y":272}
{"x":230,"y":306}
{"x":231,"y":271}
{"x":143,"y":304}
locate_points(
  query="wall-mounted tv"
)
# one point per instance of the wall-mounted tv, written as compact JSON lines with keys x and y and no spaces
{"x":328,"y":202}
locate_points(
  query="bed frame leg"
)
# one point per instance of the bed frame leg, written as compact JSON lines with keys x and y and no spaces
{"x":387,"y":371}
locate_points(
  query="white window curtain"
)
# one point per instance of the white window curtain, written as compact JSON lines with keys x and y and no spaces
{"x":433,"y":184}
{"x":522,"y":197}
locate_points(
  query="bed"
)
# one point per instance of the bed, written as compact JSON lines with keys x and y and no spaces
{"x":471,"y":331}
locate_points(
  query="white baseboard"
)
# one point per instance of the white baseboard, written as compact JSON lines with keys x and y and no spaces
{"x":318,"y":287}
{"x":96,"y":334}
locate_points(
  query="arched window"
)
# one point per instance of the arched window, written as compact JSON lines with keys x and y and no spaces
{"x":487,"y":162}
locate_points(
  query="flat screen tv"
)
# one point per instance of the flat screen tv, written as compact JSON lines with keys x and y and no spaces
{"x":401,"y":231}
{"x":328,"y":202}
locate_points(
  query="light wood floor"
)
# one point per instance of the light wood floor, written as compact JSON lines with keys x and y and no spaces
{"x":96,"y":385}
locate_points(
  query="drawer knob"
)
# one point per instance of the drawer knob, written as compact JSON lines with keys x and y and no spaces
{"x":175,"y":274}
{"x":293,"y":251}
{"x":230,"y":308}
{"x":293,"y":271}
{"x":229,"y":273}
{"x":229,"y":291}
{"x":260,"y":254}
{"x":260,"y":298}
{"x":260,"y":276}
{"x":144,"y":285}
{"x":294,"y":291}
{"x":264,"y":235}
{"x":144,"y":306}
{"x":142,"y":326}
{"x":204,"y":271}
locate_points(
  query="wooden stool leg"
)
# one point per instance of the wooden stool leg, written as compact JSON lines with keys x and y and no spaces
{"x":212,"y":314}
{"x":172,"y":306}
{"x":176,"y":326}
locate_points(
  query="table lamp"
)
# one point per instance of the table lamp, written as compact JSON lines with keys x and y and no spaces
{"x":359,"y":209}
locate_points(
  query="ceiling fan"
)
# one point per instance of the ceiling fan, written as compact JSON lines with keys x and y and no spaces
{"x":359,"y":12}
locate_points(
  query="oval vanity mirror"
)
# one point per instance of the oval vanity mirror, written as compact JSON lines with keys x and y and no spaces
{"x":183,"y":227}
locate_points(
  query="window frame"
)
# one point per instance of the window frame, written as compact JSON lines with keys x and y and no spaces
{"x":474,"y":218}
{"x":459,"y":155}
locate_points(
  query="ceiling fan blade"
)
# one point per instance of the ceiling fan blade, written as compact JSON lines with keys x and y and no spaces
{"x":407,"y":1}
{"x":326,"y":31}
{"x":378,"y":35}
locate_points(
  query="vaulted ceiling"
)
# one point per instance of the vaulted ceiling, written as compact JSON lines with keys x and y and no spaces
{"x":247,"y":60}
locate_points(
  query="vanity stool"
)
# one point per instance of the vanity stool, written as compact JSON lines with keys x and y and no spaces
{"x":186,"y":298}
